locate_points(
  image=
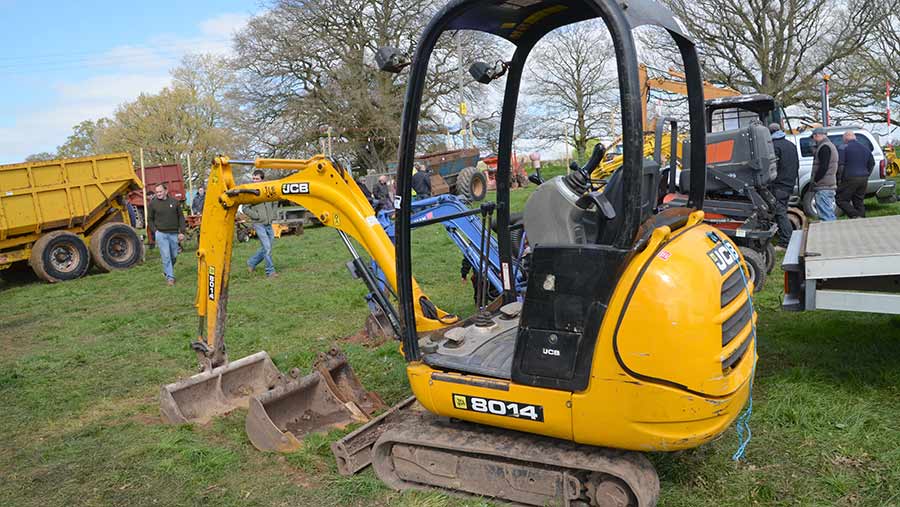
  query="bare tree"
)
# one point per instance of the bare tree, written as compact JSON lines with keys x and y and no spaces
{"x":860,"y":84}
{"x":570,"y":82}
{"x":307,"y":66}
{"x":780,"y":48}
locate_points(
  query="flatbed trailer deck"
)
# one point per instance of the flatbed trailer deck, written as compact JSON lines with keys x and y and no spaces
{"x":851,"y":265}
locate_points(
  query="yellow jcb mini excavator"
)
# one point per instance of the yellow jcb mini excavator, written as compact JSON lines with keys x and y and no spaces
{"x":636,"y":332}
{"x":332,"y":391}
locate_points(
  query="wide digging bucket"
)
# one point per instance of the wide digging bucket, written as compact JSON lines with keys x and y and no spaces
{"x":217,"y":392}
{"x":329,"y":397}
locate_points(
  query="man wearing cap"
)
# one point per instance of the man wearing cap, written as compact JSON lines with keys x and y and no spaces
{"x":855,"y":164}
{"x":824,"y":174}
{"x":782,"y":187}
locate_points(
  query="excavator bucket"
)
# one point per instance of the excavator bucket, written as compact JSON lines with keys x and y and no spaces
{"x":329,"y":397}
{"x":219,"y":391}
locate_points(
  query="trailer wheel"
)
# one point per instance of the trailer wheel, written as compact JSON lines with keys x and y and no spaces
{"x":59,"y":256}
{"x":756,"y":265}
{"x":797,"y":219}
{"x":471,"y":184}
{"x":115,"y":246}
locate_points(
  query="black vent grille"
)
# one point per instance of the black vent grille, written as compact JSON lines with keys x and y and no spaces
{"x":735,"y":323}
{"x":732,"y":286}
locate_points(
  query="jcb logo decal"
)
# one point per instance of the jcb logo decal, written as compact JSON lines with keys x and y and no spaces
{"x":460,"y":402}
{"x":723,"y":256}
{"x":295,"y":188}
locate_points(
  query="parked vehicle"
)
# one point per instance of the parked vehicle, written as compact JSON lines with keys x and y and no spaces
{"x":58,"y":217}
{"x":880,"y":187}
{"x":452,"y":172}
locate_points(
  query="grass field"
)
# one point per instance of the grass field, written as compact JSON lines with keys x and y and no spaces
{"x":81,"y":364}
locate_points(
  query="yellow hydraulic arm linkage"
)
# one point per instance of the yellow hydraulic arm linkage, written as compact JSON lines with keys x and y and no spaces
{"x":318,"y":185}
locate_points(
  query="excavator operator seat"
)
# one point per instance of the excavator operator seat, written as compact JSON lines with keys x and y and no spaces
{"x":744,"y":155}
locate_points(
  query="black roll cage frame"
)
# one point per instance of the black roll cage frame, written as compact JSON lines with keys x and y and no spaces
{"x":539,"y":18}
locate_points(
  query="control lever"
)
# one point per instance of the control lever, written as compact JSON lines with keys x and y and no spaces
{"x":600,"y":200}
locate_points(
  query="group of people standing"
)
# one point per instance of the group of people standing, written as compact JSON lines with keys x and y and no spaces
{"x":839,"y":177}
{"x":166,"y":218}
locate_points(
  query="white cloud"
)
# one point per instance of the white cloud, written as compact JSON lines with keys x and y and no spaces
{"x":118,"y":75}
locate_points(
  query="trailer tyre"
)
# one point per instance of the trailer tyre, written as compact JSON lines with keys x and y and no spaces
{"x":115,"y":246}
{"x":59,"y":256}
{"x":471,"y":184}
{"x":756,"y":265}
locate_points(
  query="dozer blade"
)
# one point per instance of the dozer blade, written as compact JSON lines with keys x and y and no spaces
{"x":217,"y":392}
{"x":329,"y":397}
{"x":354,"y":452}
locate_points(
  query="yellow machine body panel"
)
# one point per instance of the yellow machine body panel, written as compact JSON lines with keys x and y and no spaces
{"x":657,"y":381}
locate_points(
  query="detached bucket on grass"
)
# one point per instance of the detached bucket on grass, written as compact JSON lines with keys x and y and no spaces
{"x":329,"y":397}
{"x":218,"y":392}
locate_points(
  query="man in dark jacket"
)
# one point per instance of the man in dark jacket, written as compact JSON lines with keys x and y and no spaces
{"x":165,"y":217}
{"x":788,"y":164}
{"x":824,"y":174}
{"x":382,"y":194}
{"x":421,"y":182}
{"x":855,"y":164}
{"x":197,"y":203}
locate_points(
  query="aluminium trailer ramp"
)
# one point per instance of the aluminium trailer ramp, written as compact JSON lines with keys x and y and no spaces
{"x":851,"y":265}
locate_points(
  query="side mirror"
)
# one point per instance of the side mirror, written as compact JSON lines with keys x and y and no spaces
{"x":485,"y":73}
{"x":391,"y":59}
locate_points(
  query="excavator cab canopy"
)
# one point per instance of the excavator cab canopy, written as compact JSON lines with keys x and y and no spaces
{"x":524,"y":23}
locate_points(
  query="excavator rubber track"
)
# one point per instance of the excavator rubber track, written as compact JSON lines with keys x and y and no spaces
{"x":427,"y":452}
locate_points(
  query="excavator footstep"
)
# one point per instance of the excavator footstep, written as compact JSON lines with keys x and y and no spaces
{"x":217,"y":392}
{"x":329,"y":397}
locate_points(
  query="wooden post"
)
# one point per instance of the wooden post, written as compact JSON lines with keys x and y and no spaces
{"x":190,"y":180}
{"x":144,"y":193}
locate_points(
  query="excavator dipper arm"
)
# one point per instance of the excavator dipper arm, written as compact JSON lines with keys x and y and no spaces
{"x":318,"y":185}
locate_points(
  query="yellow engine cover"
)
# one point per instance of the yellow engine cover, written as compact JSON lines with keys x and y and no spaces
{"x":672,"y":364}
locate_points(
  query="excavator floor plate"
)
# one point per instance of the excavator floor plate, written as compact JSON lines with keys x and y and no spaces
{"x":427,"y":452}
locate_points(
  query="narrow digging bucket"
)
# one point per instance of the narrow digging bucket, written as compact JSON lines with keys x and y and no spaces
{"x":218,"y":392}
{"x":354,"y":452}
{"x":329,"y":397}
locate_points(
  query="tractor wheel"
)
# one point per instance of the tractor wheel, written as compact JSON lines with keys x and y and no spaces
{"x":797,"y":219}
{"x":770,"y":257}
{"x":59,"y":256}
{"x":115,"y":246}
{"x":471,"y":184}
{"x":756,"y":265}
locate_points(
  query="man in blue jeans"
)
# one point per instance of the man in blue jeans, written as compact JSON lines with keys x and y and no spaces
{"x":824,"y":174}
{"x":166,"y":218}
{"x":262,"y":215}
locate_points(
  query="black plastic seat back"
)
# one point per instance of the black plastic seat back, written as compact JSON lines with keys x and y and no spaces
{"x":568,"y":291}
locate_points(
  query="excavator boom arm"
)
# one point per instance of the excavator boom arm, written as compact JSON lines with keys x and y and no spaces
{"x":318,"y":185}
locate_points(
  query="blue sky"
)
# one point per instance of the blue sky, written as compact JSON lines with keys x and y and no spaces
{"x":64,"y":62}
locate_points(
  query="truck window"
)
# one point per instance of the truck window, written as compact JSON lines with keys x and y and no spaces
{"x":807,"y":144}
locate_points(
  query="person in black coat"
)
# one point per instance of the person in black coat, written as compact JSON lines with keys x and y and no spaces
{"x":421,"y":182}
{"x":788,"y":164}
{"x":854,"y":166}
